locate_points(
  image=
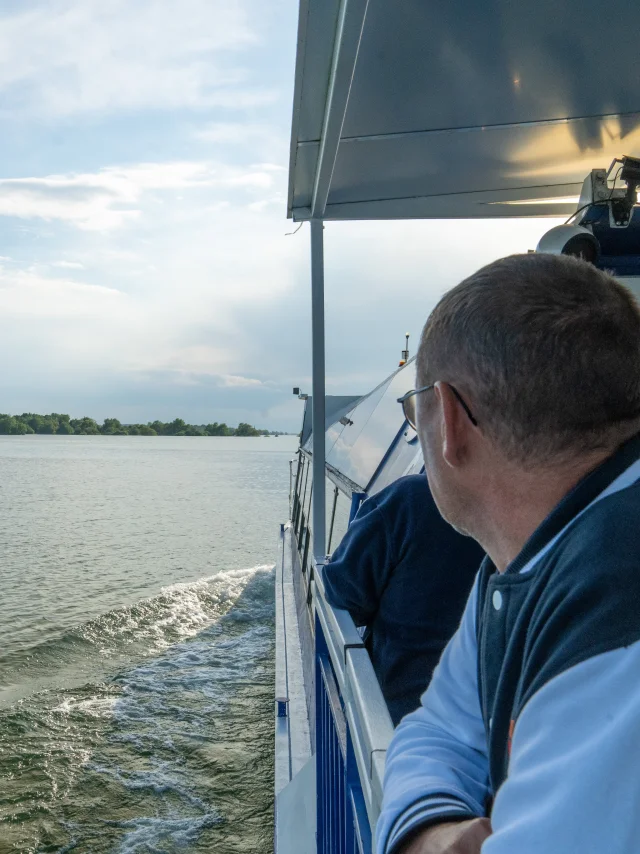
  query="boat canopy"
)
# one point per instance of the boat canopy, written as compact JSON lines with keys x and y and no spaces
{"x":458,"y":109}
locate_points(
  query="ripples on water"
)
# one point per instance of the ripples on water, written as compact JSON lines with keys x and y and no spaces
{"x":148,"y":728}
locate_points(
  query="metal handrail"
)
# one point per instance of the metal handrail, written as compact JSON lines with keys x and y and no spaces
{"x":352,"y":723}
{"x":368,"y":720}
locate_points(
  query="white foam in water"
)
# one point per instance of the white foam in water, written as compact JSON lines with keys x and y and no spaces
{"x":160,"y":781}
{"x":178,"y":611}
{"x":152,"y":725}
{"x":205,"y":666}
{"x":146,"y":834}
{"x":97,"y":707}
{"x":91,"y":651}
{"x":171,"y":701}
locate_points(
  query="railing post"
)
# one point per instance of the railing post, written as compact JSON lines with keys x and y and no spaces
{"x":318,"y":516}
{"x":322,"y":746}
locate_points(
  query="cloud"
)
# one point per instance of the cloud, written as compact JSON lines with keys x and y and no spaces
{"x":272,"y":141}
{"x":231,"y":381}
{"x":27,"y":294}
{"x":236,"y":133}
{"x":70,"y":56}
{"x":205,"y":378}
{"x":69,"y":265}
{"x":277,"y":200}
{"x":111,"y":197}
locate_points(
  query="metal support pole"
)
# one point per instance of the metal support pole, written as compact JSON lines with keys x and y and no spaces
{"x":318,"y":515}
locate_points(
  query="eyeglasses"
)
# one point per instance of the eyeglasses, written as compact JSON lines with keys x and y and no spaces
{"x":408,"y":403}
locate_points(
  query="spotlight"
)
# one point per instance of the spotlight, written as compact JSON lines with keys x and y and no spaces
{"x":570,"y":240}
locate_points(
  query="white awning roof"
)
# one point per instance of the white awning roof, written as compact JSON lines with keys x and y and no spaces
{"x":459,"y":108}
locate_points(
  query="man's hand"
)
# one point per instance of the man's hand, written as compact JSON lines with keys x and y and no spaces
{"x":452,"y":837}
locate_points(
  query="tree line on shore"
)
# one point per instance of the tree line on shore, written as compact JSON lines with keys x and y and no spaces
{"x":58,"y":424}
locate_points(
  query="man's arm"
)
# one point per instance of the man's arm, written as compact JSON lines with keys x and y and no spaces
{"x":437,"y":768}
{"x":574,"y":783}
{"x":360,"y":567}
{"x":453,"y":837}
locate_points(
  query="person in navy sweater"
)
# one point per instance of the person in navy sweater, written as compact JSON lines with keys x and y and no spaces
{"x":405,"y":574}
{"x":528,"y":411}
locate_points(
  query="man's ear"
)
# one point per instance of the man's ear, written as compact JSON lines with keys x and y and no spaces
{"x":453,"y":424}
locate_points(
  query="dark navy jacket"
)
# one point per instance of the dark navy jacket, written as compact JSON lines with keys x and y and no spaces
{"x":403,"y":572}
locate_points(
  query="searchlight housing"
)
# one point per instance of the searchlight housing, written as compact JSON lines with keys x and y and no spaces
{"x":605,"y":228}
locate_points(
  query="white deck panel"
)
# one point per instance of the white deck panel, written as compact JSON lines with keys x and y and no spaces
{"x":296,"y":814}
{"x":293,"y":744}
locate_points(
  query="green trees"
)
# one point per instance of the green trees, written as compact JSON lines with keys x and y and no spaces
{"x":247,"y":430}
{"x":62,"y":425}
{"x":110,"y":426}
{"x":85,"y":426}
{"x":216,"y":429}
{"x":12,"y":426}
{"x":177,"y":427}
{"x":41,"y":423}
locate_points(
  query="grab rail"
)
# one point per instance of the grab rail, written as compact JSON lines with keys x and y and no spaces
{"x":352,"y":724}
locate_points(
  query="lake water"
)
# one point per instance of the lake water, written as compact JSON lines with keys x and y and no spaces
{"x":136,"y":642}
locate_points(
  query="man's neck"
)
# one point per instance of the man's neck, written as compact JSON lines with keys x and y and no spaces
{"x":517,"y":501}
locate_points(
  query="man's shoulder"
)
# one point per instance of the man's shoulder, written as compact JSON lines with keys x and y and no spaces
{"x":405,"y":501}
{"x":597,"y":559}
{"x":585,"y":592}
{"x":404,"y":490}
{"x":605,"y":538}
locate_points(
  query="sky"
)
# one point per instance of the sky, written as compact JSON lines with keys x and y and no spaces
{"x":146,"y":265}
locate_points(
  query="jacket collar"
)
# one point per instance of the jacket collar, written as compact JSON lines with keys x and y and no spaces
{"x":586,"y":491}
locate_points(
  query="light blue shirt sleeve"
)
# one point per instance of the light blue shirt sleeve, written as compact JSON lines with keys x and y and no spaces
{"x":574,"y":773}
{"x":437,"y":767}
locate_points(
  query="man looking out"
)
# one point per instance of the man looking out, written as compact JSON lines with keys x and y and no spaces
{"x":528,"y":411}
{"x":405,"y":574}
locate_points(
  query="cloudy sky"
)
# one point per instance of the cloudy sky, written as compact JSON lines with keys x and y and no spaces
{"x":145,"y":267}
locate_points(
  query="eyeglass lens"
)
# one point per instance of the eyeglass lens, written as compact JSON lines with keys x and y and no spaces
{"x":409,"y":408}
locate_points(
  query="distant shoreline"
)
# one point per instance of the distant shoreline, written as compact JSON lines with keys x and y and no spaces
{"x":274,"y":435}
{"x":57,"y":424}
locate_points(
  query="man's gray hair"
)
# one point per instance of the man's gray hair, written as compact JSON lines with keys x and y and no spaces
{"x":546,"y":351}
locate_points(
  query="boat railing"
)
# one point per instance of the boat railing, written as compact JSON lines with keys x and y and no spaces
{"x":353,"y":730}
{"x":350,"y":723}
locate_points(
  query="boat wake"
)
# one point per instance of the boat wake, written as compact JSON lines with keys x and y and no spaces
{"x":155,"y":739}
{"x":177,"y":612}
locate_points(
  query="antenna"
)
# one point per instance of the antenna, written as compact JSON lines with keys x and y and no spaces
{"x":405,"y":353}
